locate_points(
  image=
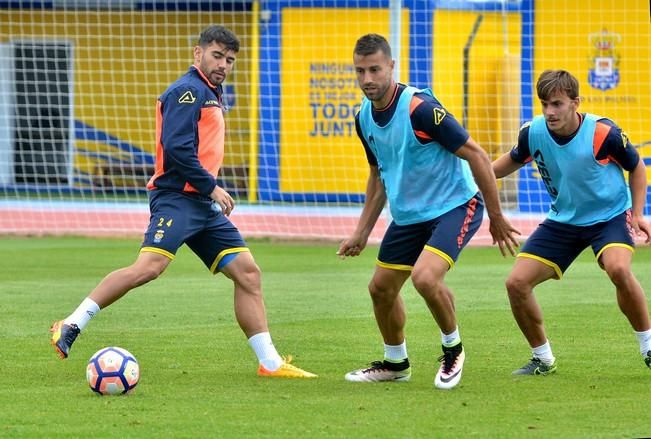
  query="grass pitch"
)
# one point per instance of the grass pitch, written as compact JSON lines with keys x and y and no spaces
{"x":198,"y":372}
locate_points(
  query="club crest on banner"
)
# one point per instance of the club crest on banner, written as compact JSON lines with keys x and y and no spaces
{"x":604,"y":72}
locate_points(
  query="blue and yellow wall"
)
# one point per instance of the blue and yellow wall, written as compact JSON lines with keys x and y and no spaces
{"x":294,"y":83}
{"x":122,"y":62}
{"x":311,"y":154}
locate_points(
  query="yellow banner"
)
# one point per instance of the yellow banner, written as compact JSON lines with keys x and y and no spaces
{"x":610,"y":56}
{"x":319,"y":148}
{"x":493,"y":73}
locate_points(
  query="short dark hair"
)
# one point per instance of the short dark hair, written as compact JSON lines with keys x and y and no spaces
{"x":370,"y":44}
{"x":552,"y":81}
{"x":219,"y":34}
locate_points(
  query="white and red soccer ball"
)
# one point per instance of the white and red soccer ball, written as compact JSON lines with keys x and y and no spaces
{"x":112,"y":371}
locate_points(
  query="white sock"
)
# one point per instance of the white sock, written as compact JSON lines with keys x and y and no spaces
{"x":265,"y":351}
{"x":395,"y":353}
{"x":451,"y":339}
{"x":544,"y":353}
{"x":82,"y":315}
{"x":644,"y":338}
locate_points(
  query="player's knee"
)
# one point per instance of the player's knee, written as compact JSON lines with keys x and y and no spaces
{"x":619,"y":273}
{"x":425,"y":282}
{"x":141,"y":273}
{"x":379,"y":292}
{"x":149,"y":273}
{"x":517,"y":287}
{"x":250,"y":277}
{"x":147,"y":267}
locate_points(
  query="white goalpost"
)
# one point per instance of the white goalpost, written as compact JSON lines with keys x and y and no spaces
{"x":79,"y":81}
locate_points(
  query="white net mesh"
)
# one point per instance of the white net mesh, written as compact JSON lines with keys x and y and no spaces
{"x":79,"y":81}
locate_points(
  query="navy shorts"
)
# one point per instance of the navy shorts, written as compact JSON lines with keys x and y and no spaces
{"x":178,"y":218}
{"x":445,"y":236}
{"x":557,"y":245}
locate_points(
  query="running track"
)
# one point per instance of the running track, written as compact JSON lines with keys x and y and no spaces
{"x":42,"y":218}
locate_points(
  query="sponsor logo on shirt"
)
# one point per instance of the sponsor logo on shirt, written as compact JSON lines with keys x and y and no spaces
{"x":624,"y":139}
{"x":187,"y":98}
{"x":439,"y":115}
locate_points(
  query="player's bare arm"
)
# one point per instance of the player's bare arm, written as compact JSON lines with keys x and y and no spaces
{"x":373,"y":205}
{"x":223,"y":199}
{"x":505,"y":165}
{"x":503,"y":233}
{"x":637,"y":181}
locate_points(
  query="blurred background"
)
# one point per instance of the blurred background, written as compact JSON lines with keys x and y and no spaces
{"x":79,"y":81}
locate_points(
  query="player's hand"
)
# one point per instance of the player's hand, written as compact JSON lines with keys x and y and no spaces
{"x":352,"y":246}
{"x":223,"y":200}
{"x":504,"y":235}
{"x":641,"y":227}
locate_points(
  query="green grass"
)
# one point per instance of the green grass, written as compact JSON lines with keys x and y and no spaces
{"x":198,"y":373}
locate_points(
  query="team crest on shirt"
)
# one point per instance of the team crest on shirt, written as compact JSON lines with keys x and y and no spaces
{"x":187,"y":98}
{"x":439,"y":115}
{"x":158,"y":237}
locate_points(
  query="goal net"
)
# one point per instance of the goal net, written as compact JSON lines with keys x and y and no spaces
{"x":79,"y":81}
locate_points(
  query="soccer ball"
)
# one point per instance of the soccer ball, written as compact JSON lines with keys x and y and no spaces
{"x":112,"y":371}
